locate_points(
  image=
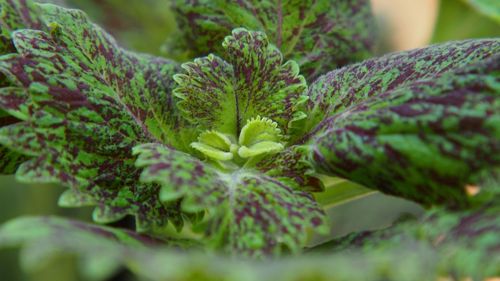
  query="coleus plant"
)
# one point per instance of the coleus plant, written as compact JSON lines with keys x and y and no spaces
{"x":230,"y":147}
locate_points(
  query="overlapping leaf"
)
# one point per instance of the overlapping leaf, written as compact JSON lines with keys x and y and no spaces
{"x":222,"y":95}
{"x":419,"y":130}
{"x":89,"y":103}
{"x":249,"y":213}
{"x":319,"y":34}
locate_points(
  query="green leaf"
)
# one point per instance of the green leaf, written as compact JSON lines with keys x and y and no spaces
{"x":249,"y":213}
{"x":413,"y":135}
{"x":319,"y":34}
{"x":457,"y":20}
{"x":89,"y":102}
{"x":254,"y":80}
{"x":490,"y":8}
{"x":340,"y":191}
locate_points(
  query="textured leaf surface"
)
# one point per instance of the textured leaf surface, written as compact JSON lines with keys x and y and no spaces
{"x":250,"y":213}
{"x":254,"y":80}
{"x":89,"y":103}
{"x":421,"y":139}
{"x":13,"y":15}
{"x":339,"y":89}
{"x":319,"y":34}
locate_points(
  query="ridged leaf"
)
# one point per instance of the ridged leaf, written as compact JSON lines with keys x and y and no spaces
{"x":419,"y":135}
{"x":319,"y":34}
{"x":89,"y":103}
{"x":249,"y":213}
{"x":254,"y":80}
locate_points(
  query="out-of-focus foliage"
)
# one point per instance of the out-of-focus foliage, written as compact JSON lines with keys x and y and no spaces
{"x":141,"y":25}
{"x":457,"y":20}
{"x":490,"y":8}
{"x":441,"y":244}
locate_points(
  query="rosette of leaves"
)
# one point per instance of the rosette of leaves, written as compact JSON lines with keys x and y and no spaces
{"x":239,"y":136}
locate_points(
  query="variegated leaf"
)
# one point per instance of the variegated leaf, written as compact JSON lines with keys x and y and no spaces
{"x":13,"y":15}
{"x":319,"y":34}
{"x":416,"y":136}
{"x":89,"y":103}
{"x":339,"y":89}
{"x":249,"y":213}
{"x":254,"y":80}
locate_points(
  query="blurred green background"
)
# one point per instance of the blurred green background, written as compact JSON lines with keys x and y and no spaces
{"x":144,"y":25}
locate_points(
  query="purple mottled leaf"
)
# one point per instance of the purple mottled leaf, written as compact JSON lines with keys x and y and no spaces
{"x":13,"y":15}
{"x":249,"y":213}
{"x":253,"y":80}
{"x":422,"y":137}
{"x":339,"y":89}
{"x":84,"y":103}
{"x":17,"y":14}
{"x":319,"y":34}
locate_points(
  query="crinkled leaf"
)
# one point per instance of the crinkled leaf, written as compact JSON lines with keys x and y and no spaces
{"x":89,"y":103}
{"x":319,"y":34}
{"x":254,"y":80}
{"x":423,"y":139}
{"x":250,"y":213}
